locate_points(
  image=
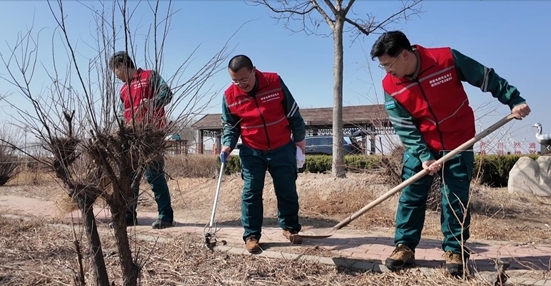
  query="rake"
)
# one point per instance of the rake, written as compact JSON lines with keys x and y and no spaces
{"x":210,"y":235}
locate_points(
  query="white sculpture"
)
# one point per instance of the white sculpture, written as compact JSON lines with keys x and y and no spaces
{"x":543,"y":139}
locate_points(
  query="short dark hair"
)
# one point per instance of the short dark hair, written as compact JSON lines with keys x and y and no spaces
{"x":121,"y":58}
{"x":240,"y":61}
{"x":390,"y":43}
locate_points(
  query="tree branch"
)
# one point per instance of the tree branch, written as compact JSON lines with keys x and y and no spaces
{"x":370,"y":26}
{"x":298,"y":11}
{"x":348,"y":7}
{"x":324,"y":15}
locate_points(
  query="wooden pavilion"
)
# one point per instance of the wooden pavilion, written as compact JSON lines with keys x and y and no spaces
{"x":370,"y":120}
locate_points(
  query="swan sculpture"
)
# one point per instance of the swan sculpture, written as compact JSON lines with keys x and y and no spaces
{"x":543,"y":139}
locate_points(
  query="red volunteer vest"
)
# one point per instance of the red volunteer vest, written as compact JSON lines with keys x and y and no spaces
{"x":264,"y":124}
{"x":437,"y":100}
{"x":132,"y":94}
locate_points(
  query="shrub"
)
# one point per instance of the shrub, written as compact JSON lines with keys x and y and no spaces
{"x":491,"y":170}
{"x":318,"y":163}
{"x":233,"y":165}
{"x":191,"y":166}
{"x":9,"y":165}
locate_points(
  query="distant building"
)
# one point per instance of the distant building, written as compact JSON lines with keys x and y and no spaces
{"x":175,"y":145}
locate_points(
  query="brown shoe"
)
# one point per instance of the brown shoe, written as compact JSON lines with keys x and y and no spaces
{"x":292,"y":236}
{"x":454,"y":263}
{"x":401,"y":257}
{"x":251,"y":244}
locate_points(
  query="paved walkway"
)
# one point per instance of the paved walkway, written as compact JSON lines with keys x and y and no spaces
{"x":366,"y":247}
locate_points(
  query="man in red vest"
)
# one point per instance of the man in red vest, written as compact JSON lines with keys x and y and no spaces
{"x":144,"y":95}
{"x":430,"y":112}
{"x":260,"y":108}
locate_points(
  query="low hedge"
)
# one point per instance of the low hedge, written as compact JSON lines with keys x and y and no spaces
{"x":492,"y":170}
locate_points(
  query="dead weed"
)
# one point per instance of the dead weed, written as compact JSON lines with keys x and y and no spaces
{"x":38,"y":254}
{"x":29,"y":177}
{"x":192,"y":166}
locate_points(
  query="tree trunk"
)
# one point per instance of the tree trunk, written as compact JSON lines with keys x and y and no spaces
{"x":87,"y":210}
{"x":337,"y":169}
{"x":129,"y":269}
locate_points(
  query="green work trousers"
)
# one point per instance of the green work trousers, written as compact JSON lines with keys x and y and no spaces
{"x":282,"y":165}
{"x":455,"y":221}
{"x":155,"y":176}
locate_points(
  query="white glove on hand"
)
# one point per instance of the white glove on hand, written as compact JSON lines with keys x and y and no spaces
{"x":301,"y":158}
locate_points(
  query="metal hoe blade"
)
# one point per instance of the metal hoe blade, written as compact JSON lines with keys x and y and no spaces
{"x":325,"y":233}
{"x":317,"y":233}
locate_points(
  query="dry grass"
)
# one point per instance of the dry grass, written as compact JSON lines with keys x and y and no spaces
{"x":28,"y":177}
{"x":37,"y":254}
{"x":497,"y":215}
{"x":192,"y":166}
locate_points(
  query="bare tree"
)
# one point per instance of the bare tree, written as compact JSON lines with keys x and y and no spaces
{"x":93,"y":153}
{"x":335,"y":15}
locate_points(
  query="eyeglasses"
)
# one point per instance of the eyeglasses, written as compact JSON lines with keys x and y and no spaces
{"x":387,"y":66}
{"x":243,"y":81}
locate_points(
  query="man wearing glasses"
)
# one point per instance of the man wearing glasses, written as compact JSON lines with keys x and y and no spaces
{"x":261,"y":109}
{"x":430,"y":112}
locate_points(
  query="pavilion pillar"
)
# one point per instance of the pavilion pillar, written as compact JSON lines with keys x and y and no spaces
{"x":200,"y":142}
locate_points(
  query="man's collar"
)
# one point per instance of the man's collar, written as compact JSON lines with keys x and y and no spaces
{"x":255,"y":87}
{"x":417,"y":67}
{"x":137,"y":74}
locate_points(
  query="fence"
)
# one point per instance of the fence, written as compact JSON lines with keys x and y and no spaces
{"x":507,"y":147}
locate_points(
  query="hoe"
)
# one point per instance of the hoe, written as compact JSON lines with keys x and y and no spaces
{"x":325,"y":233}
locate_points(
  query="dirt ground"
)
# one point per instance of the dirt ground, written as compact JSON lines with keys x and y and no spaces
{"x":496,"y":214}
{"x":35,"y":254}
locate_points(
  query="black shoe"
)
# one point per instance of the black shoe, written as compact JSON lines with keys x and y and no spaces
{"x":401,"y":257}
{"x":129,"y":222}
{"x":160,"y":224}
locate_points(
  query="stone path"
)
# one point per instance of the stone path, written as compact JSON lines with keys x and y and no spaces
{"x":347,"y":246}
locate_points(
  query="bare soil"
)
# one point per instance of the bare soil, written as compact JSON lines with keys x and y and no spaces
{"x":496,"y":214}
